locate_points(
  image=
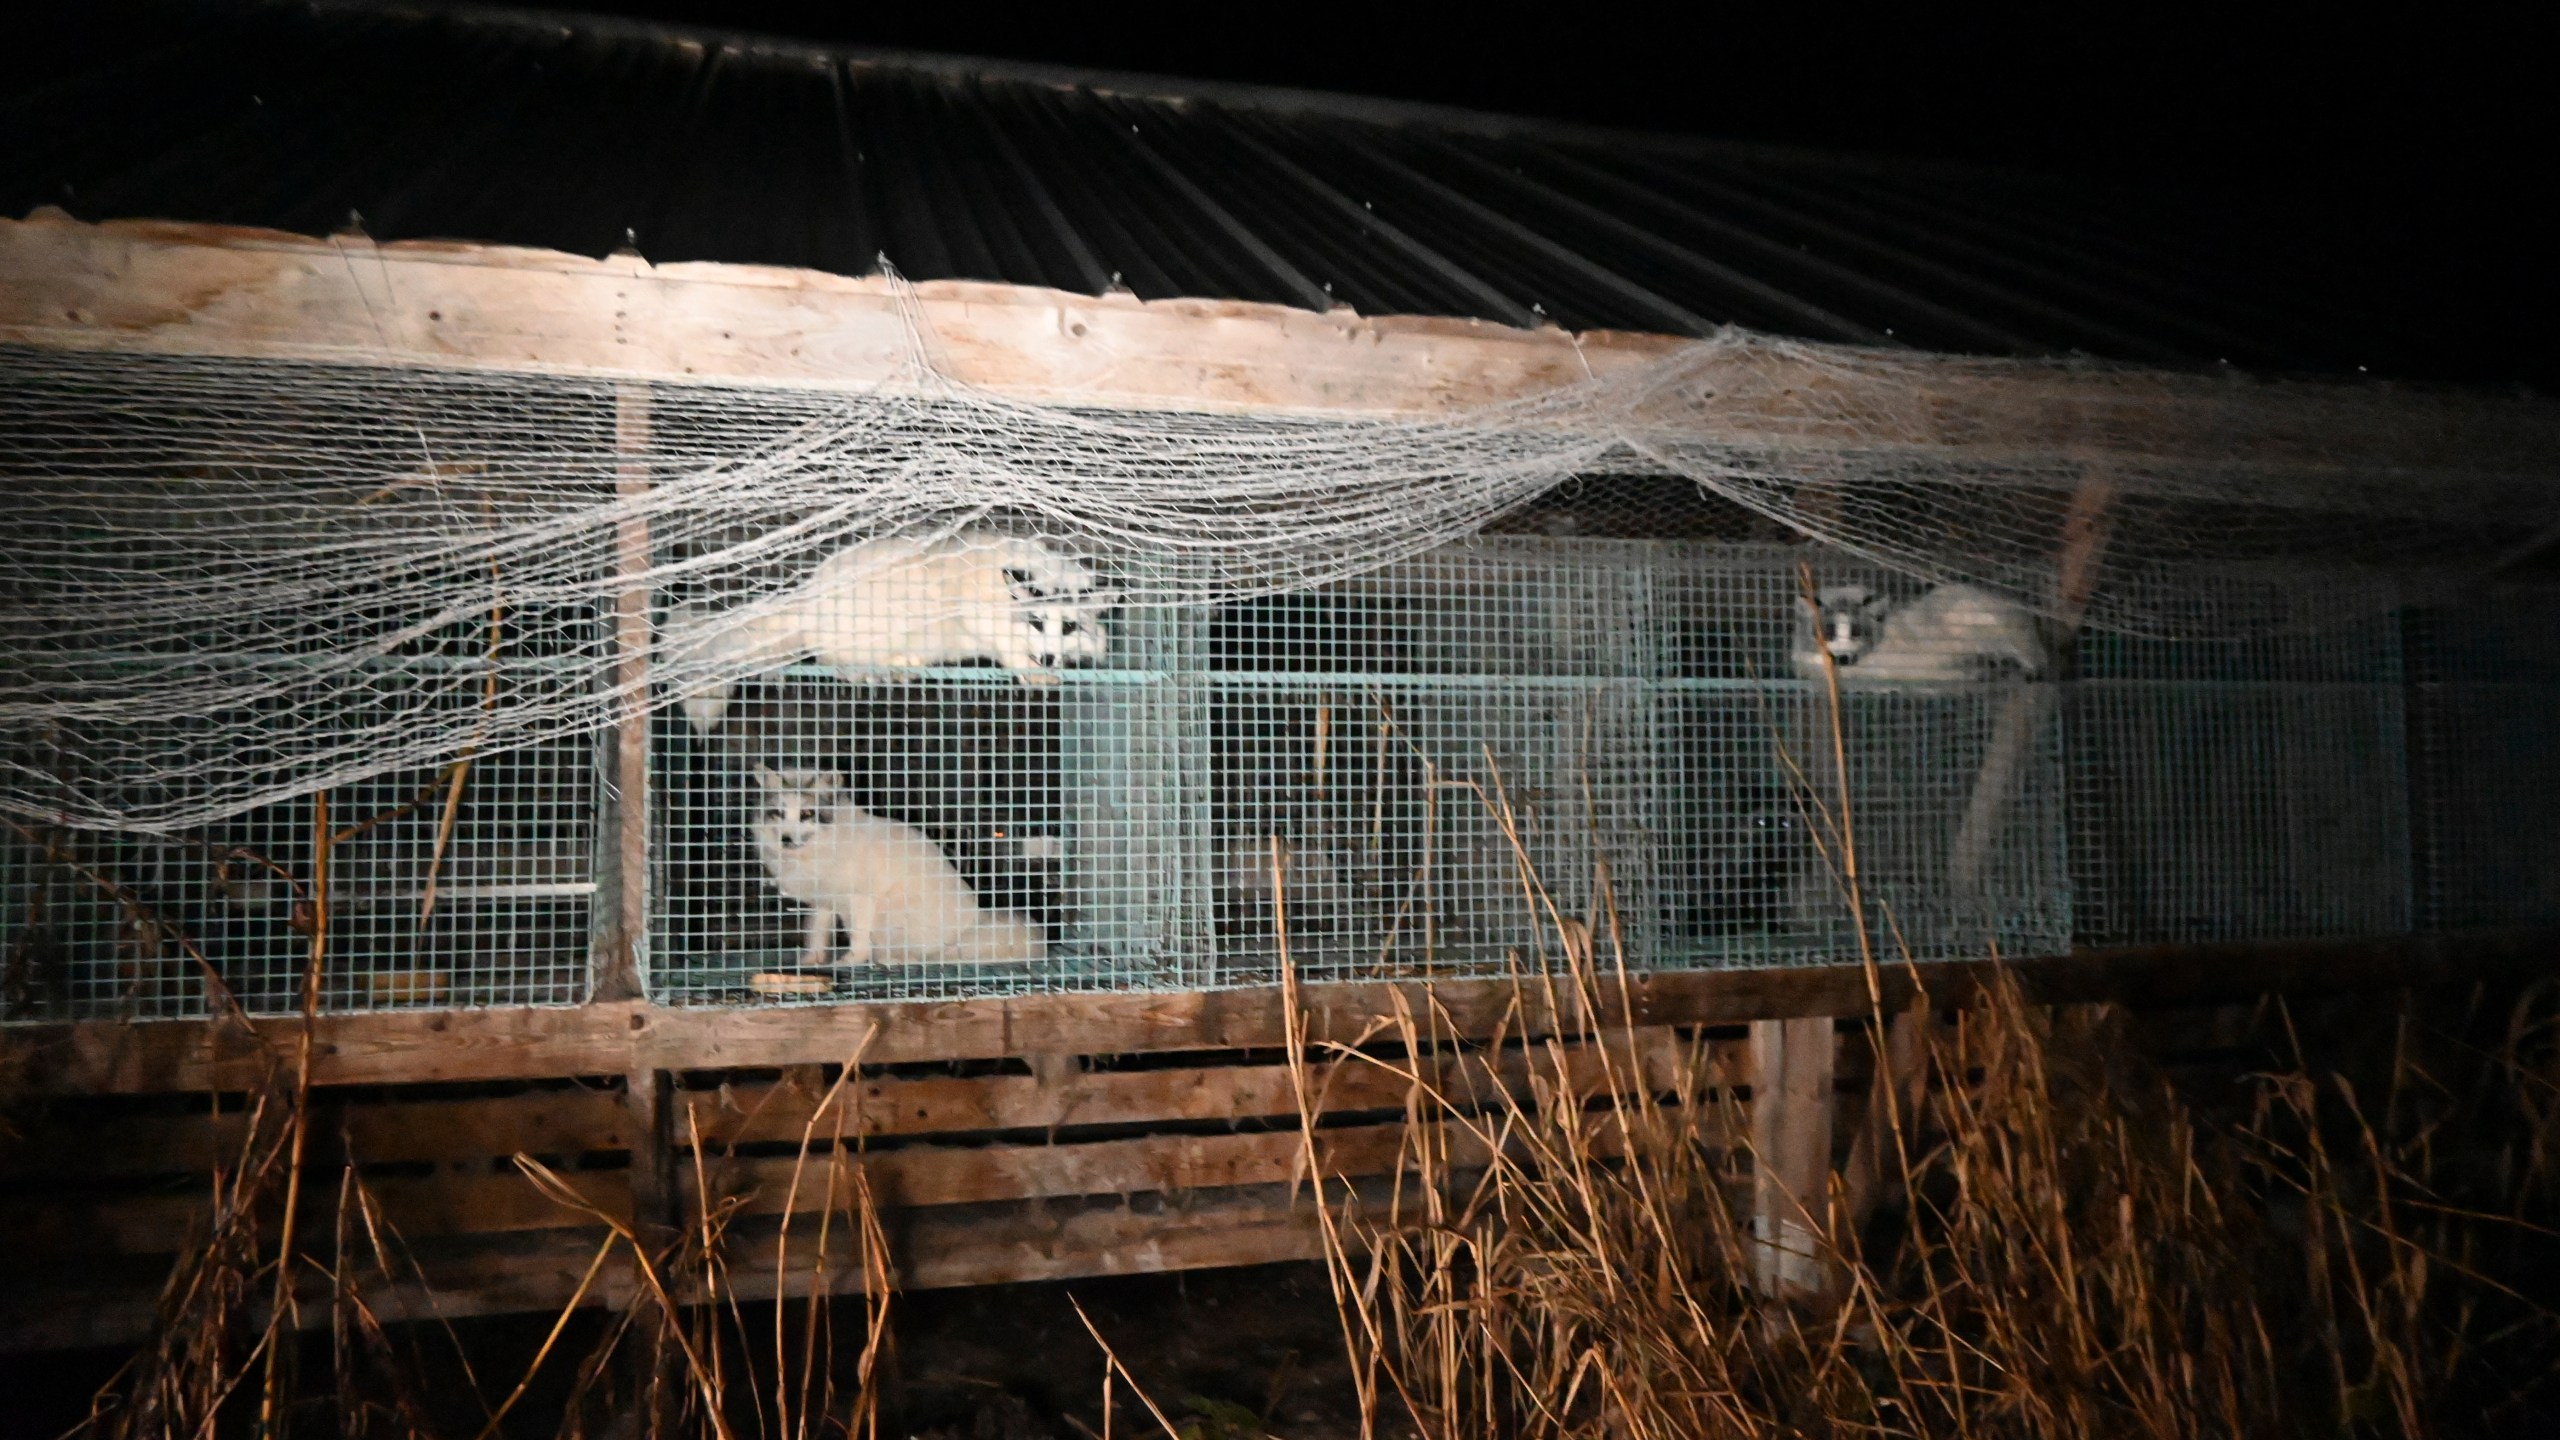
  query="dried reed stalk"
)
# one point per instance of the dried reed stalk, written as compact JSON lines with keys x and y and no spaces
{"x":2080,"y":1252}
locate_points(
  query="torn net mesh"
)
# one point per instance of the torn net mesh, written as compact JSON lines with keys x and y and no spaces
{"x":228,"y":583}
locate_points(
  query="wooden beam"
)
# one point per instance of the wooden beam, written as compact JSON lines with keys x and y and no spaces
{"x":73,"y":1142}
{"x":170,"y":289}
{"x":890,"y":1106}
{"x":536,"y":1271}
{"x":624,"y":932}
{"x":1791,"y":1119}
{"x":402,"y":1047}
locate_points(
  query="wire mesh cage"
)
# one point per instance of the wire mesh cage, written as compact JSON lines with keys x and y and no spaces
{"x":1947,"y":810}
{"x":459,"y":851}
{"x":449,"y":886}
{"x":2244,"y":789}
{"x":272,"y":621}
{"x":1417,"y":771}
{"x":2485,"y":686}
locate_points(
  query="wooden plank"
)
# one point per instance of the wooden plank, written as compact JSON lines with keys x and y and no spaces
{"x":537,"y":1271}
{"x":87,"y":1145}
{"x":924,"y":1175}
{"x":456,"y":1202}
{"x":400,"y":1047}
{"x":208,"y":290}
{"x":163,"y":288}
{"x":779,"y":1112}
{"x":626,"y":932}
{"x":928,"y":1175}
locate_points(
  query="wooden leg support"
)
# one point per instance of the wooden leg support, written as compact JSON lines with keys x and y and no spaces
{"x":1791,"y":1108}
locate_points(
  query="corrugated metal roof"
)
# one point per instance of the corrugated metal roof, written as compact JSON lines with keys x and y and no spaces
{"x":574,"y":134}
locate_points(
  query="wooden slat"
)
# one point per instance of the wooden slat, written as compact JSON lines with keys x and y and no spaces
{"x":548,"y":1122}
{"x":925,"y":1175}
{"x":162,"y":1222}
{"x":161,"y":288}
{"x":537,"y":1271}
{"x":396,"y":1047}
{"x":765,"y":1113}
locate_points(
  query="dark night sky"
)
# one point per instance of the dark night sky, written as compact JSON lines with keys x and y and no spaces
{"x":2423,"y":149}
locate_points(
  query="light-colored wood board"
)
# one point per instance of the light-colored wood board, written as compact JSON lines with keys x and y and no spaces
{"x":1792,"y":1107}
{"x":164,"y":288}
{"x":206,"y":290}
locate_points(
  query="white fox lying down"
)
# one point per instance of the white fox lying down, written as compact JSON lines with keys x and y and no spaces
{"x":1954,"y":632}
{"x":897,"y":602}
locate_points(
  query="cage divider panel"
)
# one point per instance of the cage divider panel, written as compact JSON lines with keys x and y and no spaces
{"x":1195,"y":857}
{"x":1119,"y":741}
{"x":604,"y":857}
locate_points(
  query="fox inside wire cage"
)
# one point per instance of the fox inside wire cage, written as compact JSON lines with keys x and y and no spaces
{"x":305,"y":662}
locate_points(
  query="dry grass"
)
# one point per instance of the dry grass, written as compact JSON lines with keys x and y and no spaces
{"x":681,"y":1358}
{"x":2063,"y":1244}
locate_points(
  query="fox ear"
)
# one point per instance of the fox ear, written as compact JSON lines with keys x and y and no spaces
{"x":827,"y":784}
{"x":766,"y":777}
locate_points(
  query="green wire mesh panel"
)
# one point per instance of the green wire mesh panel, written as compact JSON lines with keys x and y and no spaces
{"x":1952,"y":806}
{"x":1421,"y":827}
{"x":441,"y":892}
{"x":1426,"y":770}
{"x":2485,"y":693}
{"x":1422,"y":766}
{"x":1036,"y":825}
{"x":2244,"y":789}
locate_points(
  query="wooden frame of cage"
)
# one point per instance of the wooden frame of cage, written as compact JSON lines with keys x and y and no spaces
{"x":994,"y":1175}
{"x":1097,"y":1134}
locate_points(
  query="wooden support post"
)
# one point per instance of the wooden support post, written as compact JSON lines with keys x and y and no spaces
{"x":626,"y":931}
{"x":1791,"y":1111}
{"x":648,"y":1098}
{"x":1896,"y":1093}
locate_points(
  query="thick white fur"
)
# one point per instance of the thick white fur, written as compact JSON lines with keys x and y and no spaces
{"x":1954,"y":632}
{"x":898,"y":896}
{"x":901,"y":602}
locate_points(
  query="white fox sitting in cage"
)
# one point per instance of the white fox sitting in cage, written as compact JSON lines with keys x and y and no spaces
{"x":899,"y":897}
{"x":1952,"y":633}
{"x":902,"y":603}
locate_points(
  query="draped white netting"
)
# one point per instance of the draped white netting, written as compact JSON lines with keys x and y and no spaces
{"x":229,"y":582}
